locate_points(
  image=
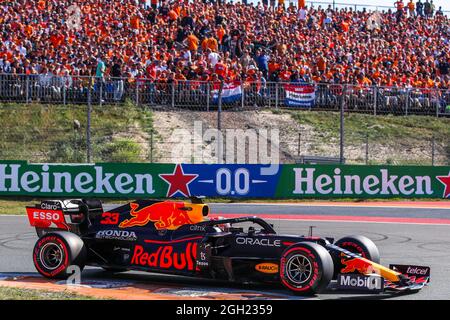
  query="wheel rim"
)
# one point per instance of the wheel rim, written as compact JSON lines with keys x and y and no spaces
{"x":51,"y":256}
{"x":299,"y":269}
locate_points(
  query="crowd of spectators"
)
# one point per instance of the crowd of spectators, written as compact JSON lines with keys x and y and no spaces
{"x":169,"y":41}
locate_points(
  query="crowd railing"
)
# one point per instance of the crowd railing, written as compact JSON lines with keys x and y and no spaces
{"x":200,"y":95}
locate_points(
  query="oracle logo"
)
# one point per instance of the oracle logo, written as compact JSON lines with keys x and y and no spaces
{"x":258,"y":242}
{"x":49,"y":216}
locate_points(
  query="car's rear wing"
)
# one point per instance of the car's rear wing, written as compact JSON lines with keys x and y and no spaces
{"x":61,"y":214}
{"x":47,"y":218}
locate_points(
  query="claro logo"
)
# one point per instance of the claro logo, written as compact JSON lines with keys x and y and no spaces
{"x":267,"y":267}
{"x":265,"y":242}
{"x":50,"y":206}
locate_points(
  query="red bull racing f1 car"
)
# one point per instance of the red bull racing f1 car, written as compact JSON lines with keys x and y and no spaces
{"x":178,"y":238}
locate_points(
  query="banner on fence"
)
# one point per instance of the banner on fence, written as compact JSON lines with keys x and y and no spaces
{"x":113,"y":180}
{"x":300,"y":95}
{"x":231,"y":92}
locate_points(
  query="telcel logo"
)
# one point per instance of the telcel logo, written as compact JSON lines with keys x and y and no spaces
{"x":364,"y":282}
{"x":267,"y":267}
{"x":416,"y":270}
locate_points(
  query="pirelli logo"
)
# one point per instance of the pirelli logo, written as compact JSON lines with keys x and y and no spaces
{"x":267,"y":268}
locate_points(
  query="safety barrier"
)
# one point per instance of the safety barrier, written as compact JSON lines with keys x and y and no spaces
{"x":112,"y":180}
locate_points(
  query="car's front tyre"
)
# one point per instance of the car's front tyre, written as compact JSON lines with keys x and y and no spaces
{"x":361,"y":245}
{"x":306,"y":268}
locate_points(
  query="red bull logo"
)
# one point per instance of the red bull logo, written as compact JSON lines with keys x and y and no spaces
{"x":165,"y":257}
{"x":359,"y":265}
{"x":165,"y":215}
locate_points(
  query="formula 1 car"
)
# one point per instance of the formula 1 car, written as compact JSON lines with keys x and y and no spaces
{"x":178,"y":238}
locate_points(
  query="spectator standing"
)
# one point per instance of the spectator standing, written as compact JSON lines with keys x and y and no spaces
{"x":400,"y":7}
{"x":262,"y":61}
{"x":100,"y":75}
{"x":411,"y":8}
{"x":432,"y":9}
{"x":419,"y":8}
{"x":302,"y":14}
{"x":116,"y":75}
{"x":427,"y":9}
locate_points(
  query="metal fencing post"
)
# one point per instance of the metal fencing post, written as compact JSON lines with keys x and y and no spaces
{"x":151,"y":146}
{"x":242,"y":96}
{"x":433,"y":150}
{"x":341,"y":142}
{"x":407,"y":101}
{"x":64,"y":94}
{"x":437,"y":104}
{"x":137,"y":93}
{"x":375,"y":98}
{"x":299,"y":144}
{"x":88,"y":125}
{"x":208,"y":93}
{"x":100,"y":90}
{"x":276,"y":95}
{"x":219,"y":126}
{"x":27,"y":89}
{"x":367,"y":149}
{"x":173,"y":95}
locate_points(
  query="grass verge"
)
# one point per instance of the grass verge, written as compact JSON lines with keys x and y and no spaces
{"x":57,"y":133}
{"x":9,"y":293}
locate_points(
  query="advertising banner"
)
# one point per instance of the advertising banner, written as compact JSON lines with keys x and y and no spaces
{"x":141,"y":180}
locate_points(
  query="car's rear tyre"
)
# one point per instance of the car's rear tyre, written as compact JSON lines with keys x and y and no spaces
{"x":55,"y":252}
{"x":306,"y":268}
{"x":356,"y":244}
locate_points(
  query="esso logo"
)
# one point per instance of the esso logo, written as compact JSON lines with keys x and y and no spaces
{"x":39,"y":215}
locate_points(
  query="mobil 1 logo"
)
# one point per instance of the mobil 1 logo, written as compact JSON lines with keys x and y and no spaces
{"x":373,"y":283}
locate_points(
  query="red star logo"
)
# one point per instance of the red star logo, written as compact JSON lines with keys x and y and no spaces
{"x":178,"y":181}
{"x":445,"y":180}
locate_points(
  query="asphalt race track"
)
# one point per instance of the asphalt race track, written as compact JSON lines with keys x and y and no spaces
{"x":407,"y":242}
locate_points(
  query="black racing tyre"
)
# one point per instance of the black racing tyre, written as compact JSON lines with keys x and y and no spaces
{"x":356,"y":244}
{"x":306,"y":268}
{"x":56,"y":251}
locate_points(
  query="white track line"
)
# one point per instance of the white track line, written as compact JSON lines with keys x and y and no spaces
{"x":348,"y":221}
{"x":329,"y":205}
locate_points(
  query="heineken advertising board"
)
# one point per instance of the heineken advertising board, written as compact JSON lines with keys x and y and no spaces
{"x":140,"y":180}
